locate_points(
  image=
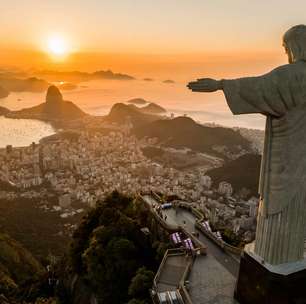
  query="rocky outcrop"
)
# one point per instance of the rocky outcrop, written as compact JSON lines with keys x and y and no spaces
{"x":54,"y":96}
{"x":55,"y":109}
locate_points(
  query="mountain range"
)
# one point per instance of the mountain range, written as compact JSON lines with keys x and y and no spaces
{"x":13,"y":84}
{"x":121,"y":112}
{"x":180,"y":132}
{"x":77,"y":76}
{"x":24,"y":82}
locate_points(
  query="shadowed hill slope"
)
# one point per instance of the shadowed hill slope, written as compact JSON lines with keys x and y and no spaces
{"x":242,"y":172}
{"x":185,"y":132}
{"x":17,"y":265}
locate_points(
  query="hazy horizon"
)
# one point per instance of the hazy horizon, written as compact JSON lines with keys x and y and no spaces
{"x":176,"y":98}
{"x":149,"y":37}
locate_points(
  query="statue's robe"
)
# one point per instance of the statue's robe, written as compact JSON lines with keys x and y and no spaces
{"x":281,"y":96}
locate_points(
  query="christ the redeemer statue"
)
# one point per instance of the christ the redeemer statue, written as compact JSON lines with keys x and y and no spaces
{"x":280,"y":95}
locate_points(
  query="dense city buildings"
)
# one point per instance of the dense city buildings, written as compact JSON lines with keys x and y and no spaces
{"x":87,"y":166}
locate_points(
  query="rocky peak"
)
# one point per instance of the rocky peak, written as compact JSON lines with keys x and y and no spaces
{"x":53,"y":95}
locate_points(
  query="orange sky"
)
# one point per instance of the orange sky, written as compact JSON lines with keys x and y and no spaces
{"x":178,"y":38}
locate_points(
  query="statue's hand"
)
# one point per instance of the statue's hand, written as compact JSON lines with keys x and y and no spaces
{"x":205,"y":85}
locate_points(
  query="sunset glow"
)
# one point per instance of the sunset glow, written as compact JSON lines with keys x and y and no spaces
{"x":196,"y":28}
{"x":57,"y":47}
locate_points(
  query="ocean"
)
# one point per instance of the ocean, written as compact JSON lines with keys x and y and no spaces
{"x":22,"y":132}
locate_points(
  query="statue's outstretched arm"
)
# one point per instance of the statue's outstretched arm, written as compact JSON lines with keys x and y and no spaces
{"x":274,"y":93}
{"x":205,"y":85}
{"x":248,"y":95}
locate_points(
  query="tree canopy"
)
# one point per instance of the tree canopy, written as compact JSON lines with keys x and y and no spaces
{"x":111,"y":253}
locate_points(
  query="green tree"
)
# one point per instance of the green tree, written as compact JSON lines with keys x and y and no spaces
{"x":141,"y":283}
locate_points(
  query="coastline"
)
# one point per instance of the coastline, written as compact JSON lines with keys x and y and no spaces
{"x":22,"y":132}
{"x":253,"y":135}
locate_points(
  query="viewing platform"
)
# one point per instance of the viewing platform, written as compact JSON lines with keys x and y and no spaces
{"x":208,"y":278}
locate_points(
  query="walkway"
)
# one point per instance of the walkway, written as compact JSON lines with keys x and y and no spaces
{"x":173,"y":218}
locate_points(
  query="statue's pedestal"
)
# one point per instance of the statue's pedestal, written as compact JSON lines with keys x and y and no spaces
{"x":261,"y":283}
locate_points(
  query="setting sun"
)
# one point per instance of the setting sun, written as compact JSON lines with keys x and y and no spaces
{"x":58,"y":46}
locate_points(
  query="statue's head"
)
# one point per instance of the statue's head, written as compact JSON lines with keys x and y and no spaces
{"x":294,"y":42}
